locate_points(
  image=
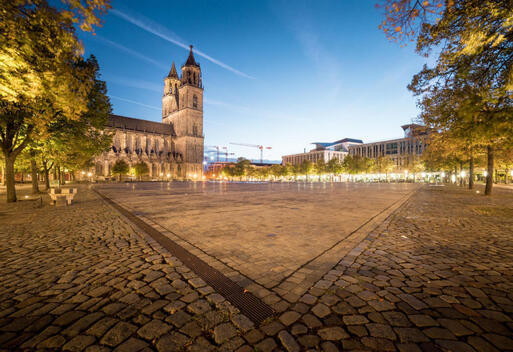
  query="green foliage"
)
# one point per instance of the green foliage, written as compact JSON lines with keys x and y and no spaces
{"x":120,"y":168}
{"x":141,"y":169}
{"x":43,"y":78}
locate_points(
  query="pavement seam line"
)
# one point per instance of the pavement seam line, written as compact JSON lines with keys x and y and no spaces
{"x":249,"y":305}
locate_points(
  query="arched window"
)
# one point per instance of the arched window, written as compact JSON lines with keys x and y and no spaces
{"x":194,"y":101}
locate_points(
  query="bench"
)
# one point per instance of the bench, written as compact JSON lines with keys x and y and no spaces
{"x":38,"y":200}
{"x":62,"y":193}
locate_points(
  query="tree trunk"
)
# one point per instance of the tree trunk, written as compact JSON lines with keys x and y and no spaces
{"x":489,"y":176}
{"x":9,"y":178}
{"x":35,"y":181}
{"x":2,"y":175}
{"x":471,"y":172}
{"x":47,"y":175}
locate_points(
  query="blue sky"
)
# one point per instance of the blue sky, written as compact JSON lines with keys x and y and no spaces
{"x":277,"y":73}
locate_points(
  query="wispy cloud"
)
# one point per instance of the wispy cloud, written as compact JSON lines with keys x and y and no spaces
{"x":137,"y":83}
{"x":130,"y":51}
{"x":298,"y":19}
{"x":136,"y":102}
{"x":164,"y":33}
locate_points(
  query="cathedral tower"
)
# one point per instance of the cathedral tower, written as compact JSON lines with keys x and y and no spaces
{"x":182,"y":107}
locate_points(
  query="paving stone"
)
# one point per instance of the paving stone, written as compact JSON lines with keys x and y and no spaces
{"x":355,"y":319}
{"x":254,"y":336}
{"x":224,"y":332}
{"x":153,"y":329}
{"x":199,"y":307}
{"x":422,"y":320}
{"x":242,"y":322}
{"x":439,"y":333}
{"x":396,"y":319}
{"x":266,"y":345}
{"x":321,"y":310}
{"x":172,"y":342}
{"x":309,"y":341}
{"x":272,"y":328}
{"x":381,"y":330}
{"x":329,"y":347}
{"x":289,"y":318}
{"x":499,"y":341}
{"x":79,"y":343}
{"x":332,"y":333}
{"x":407,"y":335}
{"x":288,"y":341}
{"x":311,"y":321}
{"x":119,"y":333}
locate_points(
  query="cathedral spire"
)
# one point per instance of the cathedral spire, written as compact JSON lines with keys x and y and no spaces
{"x":190,"y":60}
{"x":173,"y":72}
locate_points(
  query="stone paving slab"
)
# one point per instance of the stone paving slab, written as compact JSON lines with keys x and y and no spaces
{"x":278,"y":238}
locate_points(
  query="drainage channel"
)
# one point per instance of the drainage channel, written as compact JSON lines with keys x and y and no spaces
{"x":249,"y":305}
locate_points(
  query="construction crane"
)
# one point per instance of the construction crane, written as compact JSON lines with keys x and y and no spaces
{"x":261,"y":147}
{"x":217,"y":148}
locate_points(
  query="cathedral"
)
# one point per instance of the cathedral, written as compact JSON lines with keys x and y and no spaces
{"x":172,"y":149}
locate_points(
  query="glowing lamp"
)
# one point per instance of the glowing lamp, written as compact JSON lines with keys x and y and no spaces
{"x":89,"y":174}
{"x":462,"y":173}
{"x":485,"y":173}
{"x":443,"y":174}
{"x":453,"y":178}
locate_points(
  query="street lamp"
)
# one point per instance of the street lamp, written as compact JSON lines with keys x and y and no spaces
{"x":462,"y":173}
{"x":453,"y":178}
{"x":486,"y":174}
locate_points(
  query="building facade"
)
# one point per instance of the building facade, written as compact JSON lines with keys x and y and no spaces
{"x":401,"y":151}
{"x":323,"y":151}
{"x":172,"y":149}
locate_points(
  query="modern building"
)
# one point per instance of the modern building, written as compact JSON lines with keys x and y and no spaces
{"x":401,"y":151}
{"x":172,"y":148}
{"x":323,"y":151}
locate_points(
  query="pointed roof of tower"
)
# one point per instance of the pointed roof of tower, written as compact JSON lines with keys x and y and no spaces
{"x":173,"y":73}
{"x":190,"y":60}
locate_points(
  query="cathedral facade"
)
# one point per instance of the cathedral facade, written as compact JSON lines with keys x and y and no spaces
{"x":172,"y":149}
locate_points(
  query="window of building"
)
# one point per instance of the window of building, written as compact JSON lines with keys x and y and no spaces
{"x":194,"y":101}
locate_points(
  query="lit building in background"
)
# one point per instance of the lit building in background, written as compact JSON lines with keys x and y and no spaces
{"x":323,"y":151}
{"x":401,"y":151}
{"x":172,"y":148}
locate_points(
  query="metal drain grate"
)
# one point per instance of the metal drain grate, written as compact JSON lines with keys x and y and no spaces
{"x":249,"y":305}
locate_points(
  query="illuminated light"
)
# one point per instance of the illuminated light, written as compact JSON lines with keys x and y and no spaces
{"x":161,"y":174}
{"x":462,"y":173}
{"x":203,"y":177}
{"x":485,"y":173}
{"x":195,"y":176}
{"x":213,"y":175}
{"x":168,"y":175}
{"x":423,"y":174}
{"x":443,"y":174}
{"x":89,"y":174}
{"x":511,"y":173}
{"x":26,"y":196}
{"x":83,"y":172}
{"x":477,"y":192}
{"x":453,"y":178}
{"x":211,"y":158}
{"x":205,"y":162}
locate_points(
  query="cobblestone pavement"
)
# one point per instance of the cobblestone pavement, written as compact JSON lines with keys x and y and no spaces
{"x":435,"y":276}
{"x":81,"y":278}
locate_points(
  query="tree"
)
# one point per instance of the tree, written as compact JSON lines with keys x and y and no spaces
{"x":384,"y":165}
{"x":120,"y":168}
{"x":320,"y":168}
{"x":241,"y":167}
{"x":141,"y":169}
{"x":306,"y":168}
{"x":39,"y":76}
